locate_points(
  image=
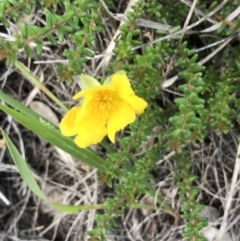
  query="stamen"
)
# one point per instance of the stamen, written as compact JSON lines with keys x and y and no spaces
{"x":103,"y":100}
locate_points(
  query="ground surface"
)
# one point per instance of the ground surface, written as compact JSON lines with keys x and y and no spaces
{"x":65,"y":180}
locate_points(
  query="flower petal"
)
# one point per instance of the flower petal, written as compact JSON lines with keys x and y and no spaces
{"x":109,"y":79}
{"x":122,"y":85}
{"x":90,"y":135}
{"x":92,"y":90}
{"x":91,"y":116}
{"x":137,"y":103}
{"x":67,"y":124}
{"x":122,"y":115}
{"x":91,"y":125}
{"x":125,"y":92}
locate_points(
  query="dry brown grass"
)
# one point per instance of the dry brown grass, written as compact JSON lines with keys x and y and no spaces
{"x":25,"y":217}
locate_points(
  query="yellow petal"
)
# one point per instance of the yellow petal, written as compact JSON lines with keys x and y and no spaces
{"x":109,"y":79}
{"x":92,"y":90}
{"x":67,"y":124}
{"x":125,"y":92}
{"x":91,"y":116}
{"x":122,"y":85}
{"x":90,"y":135}
{"x":137,"y":103}
{"x":122,"y":115}
{"x":91,"y":125}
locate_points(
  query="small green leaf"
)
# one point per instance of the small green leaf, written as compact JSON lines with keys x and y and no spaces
{"x":65,"y":28}
{"x":28,"y":51}
{"x":97,"y":28}
{"x":39,"y":48}
{"x":76,"y":39}
{"x":26,"y":10}
{"x":2,"y":9}
{"x":73,"y":24}
{"x":49,"y":20}
{"x":11,"y":59}
{"x":15,"y":15}
{"x":7,"y":4}
{"x":5,"y":22}
{"x":175,"y":29}
{"x":60,"y":35}
{"x":69,"y":14}
{"x":24,"y":30}
{"x":88,"y":53}
{"x":52,"y":39}
{"x":221,"y":28}
{"x":13,"y":2}
{"x":231,"y":31}
{"x":212,"y":6}
{"x":87,"y":81}
{"x":33,"y":30}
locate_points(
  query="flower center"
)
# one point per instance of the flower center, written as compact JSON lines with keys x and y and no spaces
{"x":103,"y":100}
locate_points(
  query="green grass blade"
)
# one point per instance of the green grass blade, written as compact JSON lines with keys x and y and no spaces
{"x":29,"y":179}
{"x":30,"y":113}
{"x":52,"y":135}
{"x":23,"y":169}
{"x":35,"y":82}
{"x":18,"y":105}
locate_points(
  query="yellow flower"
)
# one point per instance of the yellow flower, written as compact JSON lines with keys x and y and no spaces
{"x":105,"y":109}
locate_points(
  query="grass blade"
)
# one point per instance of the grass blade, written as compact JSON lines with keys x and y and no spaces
{"x":49,"y":133}
{"x":29,"y":179}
